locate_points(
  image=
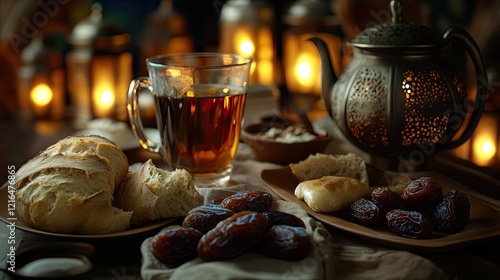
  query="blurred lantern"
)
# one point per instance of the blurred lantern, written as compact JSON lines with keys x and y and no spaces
{"x":247,"y":28}
{"x":166,"y":33}
{"x":41,"y":81}
{"x":482,"y":148}
{"x":305,"y":19}
{"x":99,"y":68}
{"x":486,"y":140}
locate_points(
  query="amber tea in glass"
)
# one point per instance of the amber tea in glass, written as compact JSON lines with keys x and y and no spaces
{"x":200,"y":100}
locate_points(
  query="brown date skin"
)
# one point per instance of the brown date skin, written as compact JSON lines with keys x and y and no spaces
{"x":252,"y":200}
{"x":365,"y":212}
{"x":206,"y":217}
{"x":286,"y":243}
{"x":233,"y":236}
{"x":387,"y":200}
{"x":423,"y":194}
{"x":411,"y":224}
{"x":275,"y":218}
{"x":175,"y":245}
{"x":452,"y":213}
{"x":216,"y":201}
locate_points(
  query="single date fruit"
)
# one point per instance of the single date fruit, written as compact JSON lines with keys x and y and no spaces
{"x":452,"y":213}
{"x":286,"y":243}
{"x":423,"y":194}
{"x":216,"y":201}
{"x":206,"y":217}
{"x":411,"y":224}
{"x":387,"y":200}
{"x":175,"y":245}
{"x":233,"y":236}
{"x":275,"y":218}
{"x":365,"y":212}
{"x":252,"y":200}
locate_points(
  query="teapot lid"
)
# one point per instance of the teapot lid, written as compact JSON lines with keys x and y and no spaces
{"x":396,"y":34}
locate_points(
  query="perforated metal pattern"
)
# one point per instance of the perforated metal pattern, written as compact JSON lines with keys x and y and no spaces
{"x":427,"y":107}
{"x":366,"y":108}
{"x":337,"y":99}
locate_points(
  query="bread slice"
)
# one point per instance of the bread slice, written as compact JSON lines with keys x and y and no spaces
{"x":331,"y":193}
{"x":153,"y":193}
{"x":93,"y":145}
{"x":319,"y":165}
{"x":68,"y":194}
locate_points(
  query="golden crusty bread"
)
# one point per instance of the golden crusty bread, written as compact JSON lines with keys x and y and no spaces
{"x":110,"y":154}
{"x":332,"y":182}
{"x":319,"y":165}
{"x":331,"y":193}
{"x":68,"y":194}
{"x":153,"y":193}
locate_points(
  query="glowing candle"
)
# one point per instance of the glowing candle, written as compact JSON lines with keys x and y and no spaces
{"x":484,"y":141}
{"x":247,"y":48}
{"x":247,"y":29}
{"x":41,"y":95}
{"x":103,"y":92}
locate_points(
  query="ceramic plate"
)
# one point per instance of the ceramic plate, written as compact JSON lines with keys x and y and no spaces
{"x":20,"y":224}
{"x":484,"y":219}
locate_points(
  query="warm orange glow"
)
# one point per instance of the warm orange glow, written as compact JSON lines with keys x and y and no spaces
{"x":306,"y":70}
{"x":488,"y":148}
{"x":247,"y":48}
{"x":41,"y":95}
{"x":106,"y":99}
{"x":484,"y":149}
{"x":244,"y":43}
{"x":265,"y":71}
{"x":104,"y":90}
{"x":484,"y":143}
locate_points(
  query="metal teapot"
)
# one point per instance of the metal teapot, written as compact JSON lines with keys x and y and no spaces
{"x":400,"y":97}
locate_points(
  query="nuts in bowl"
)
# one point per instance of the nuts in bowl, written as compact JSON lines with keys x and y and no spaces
{"x":282,"y":145}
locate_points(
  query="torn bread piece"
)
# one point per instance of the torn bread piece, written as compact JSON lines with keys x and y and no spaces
{"x":153,"y":193}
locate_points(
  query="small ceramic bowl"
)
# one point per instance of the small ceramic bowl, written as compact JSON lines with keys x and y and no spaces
{"x":269,"y":150}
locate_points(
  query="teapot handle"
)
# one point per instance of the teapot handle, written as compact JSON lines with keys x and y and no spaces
{"x":481,"y":92}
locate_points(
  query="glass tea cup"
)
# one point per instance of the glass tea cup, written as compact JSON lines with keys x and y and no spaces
{"x":199,"y":106}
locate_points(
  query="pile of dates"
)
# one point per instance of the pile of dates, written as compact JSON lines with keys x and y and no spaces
{"x":417,"y":212}
{"x":228,"y":227}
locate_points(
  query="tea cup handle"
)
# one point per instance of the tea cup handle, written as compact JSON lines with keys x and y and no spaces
{"x":472,"y":49}
{"x":134,"y":113}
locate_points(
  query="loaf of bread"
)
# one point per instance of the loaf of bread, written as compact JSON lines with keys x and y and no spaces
{"x":331,"y":193}
{"x":109,"y":154}
{"x":319,"y":165}
{"x":69,"y":187}
{"x":153,"y":193}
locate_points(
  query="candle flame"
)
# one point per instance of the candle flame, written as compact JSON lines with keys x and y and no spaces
{"x":41,"y":95}
{"x":304,"y":70}
{"x":247,"y":48}
{"x":484,"y":149}
{"x":106,"y":98}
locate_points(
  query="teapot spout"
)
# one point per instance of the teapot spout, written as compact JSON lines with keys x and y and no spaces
{"x":328,"y":77}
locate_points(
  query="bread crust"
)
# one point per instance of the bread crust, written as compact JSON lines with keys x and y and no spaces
{"x":63,"y":191}
{"x":93,"y":145}
{"x":319,"y":165}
